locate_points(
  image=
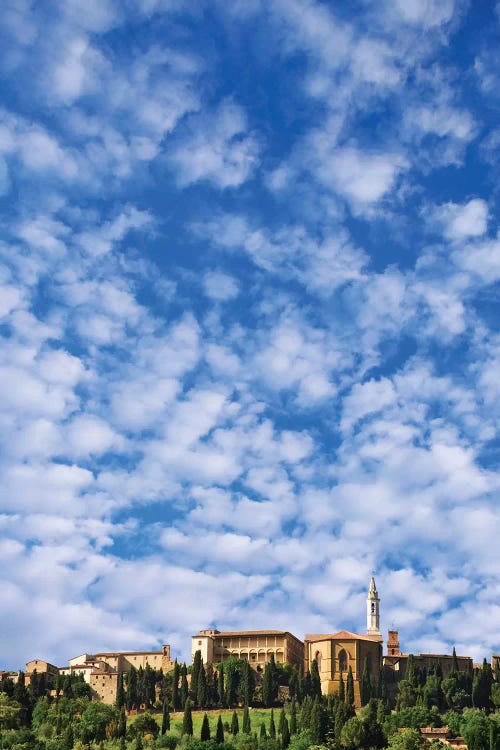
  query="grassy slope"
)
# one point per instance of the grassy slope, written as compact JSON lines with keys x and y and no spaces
{"x":257,"y":716}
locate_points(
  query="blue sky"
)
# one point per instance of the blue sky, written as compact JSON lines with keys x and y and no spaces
{"x":249,"y":300}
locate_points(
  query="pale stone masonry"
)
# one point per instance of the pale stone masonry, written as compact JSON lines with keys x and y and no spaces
{"x":254,"y":646}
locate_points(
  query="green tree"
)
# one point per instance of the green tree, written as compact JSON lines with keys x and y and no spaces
{"x":270,"y":683}
{"x":366,"y":685}
{"x":202,"y":692}
{"x":454,"y":662}
{"x":317,"y":723}
{"x":205,"y":729}
{"x":219,"y":733}
{"x":235,"y":726}
{"x":232,"y":679}
{"x":94,"y":720}
{"x":184,"y":692}
{"x":187,"y":720}
{"x":220,"y":685}
{"x":247,"y":684}
{"x":411,"y":673}
{"x":476,"y":730}
{"x":341,"y":690}
{"x":165,"y":718}
{"x":285,"y":735}
{"x":495,"y":694}
{"x":146,"y":724}
{"x":349,"y":692}
{"x":293,"y":718}
{"x":120,"y":692}
{"x":22,"y":696}
{"x":481,"y":687}
{"x":175,"y":687}
{"x":122,"y":723}
{"x":407,"y":695}
{"x":315,"y":680}
{"x":263,"y":732}
{"x":353,"y":733}
{"x":132,"y":698}
{"x":407,"y":739}
{"x":246,"y":725}
{"x":195,"y":673}
{"x":281,"y":721}
{"x":10,"y":711}
{"x":272,"y":726}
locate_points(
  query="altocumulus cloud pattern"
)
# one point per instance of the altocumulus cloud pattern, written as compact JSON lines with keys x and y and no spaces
{"x":249,"y":299}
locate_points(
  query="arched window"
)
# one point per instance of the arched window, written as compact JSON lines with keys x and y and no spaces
{"x":317,"y":656}
{"x":342,"y":661}
{"x":373,"y":608}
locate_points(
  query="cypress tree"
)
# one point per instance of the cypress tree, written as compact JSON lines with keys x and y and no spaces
{"x":285,"y":735}
{"x":201,"y":695}
{"x":366,"y":685}
{"x":205,"y":729}
{"x":281,"y":721}
{"x":231,"y":676}
{"x":411,"y":674}
{"x":341,"y":692}
{"x":270,"y":683}
{"x":305,"y":714}
{"x":175,"y":687}
{"x":187,"y":721}
{"x":454,"y":662}
{"x":165,"y":719}
{"x":235,"y":726}
{"x":349,"y":693}
{"x":184,"y":685}
{"x":132,"y":691}
{"x":308,"y":685}
{"x":138,"y":742}
{"x":122,"y":723}
{"x":300,"y":684}
{"x":272,"y":726}
{"x":316,"y":723}
{"x":248,"y":684}
{"x":292,"y":684}
{"x":315,"y":680}
{"x":247,"y":726}
{"x":120,"y":692}
{"x":195,"y":672}
{"x":219,"y":734}
{"x":123,"y":744}
{"x":263,"y":733}
{"x":293,"y":718}
{"x":381,"y":686}
{"x":220,"y":685}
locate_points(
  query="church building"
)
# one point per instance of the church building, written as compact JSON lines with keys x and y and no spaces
{"x":336,"y":652}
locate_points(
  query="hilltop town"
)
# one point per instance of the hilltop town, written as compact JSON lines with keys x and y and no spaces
{"x":334,"y":656}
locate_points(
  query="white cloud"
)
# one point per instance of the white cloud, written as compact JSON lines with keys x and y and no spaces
{"x":461,"y":221}
{"x":220,"y":150}
{"x":363,"y":178}
{"x":220,"y":286}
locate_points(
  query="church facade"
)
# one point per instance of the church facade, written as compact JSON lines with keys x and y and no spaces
{"x":336,"y":653}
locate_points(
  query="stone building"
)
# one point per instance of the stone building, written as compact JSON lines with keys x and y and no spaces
{"x":336,"y":652}
{"x":396,"y":662}
{"x":40,"y":667}
{"x":101,"y":670}
{"x":255,"y":646}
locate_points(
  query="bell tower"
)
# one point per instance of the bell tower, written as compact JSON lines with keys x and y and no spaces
{"x":373,"y":610}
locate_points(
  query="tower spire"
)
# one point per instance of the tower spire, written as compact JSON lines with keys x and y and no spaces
{"x":373,"y":609}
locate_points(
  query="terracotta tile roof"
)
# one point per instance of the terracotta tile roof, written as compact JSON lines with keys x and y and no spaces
{"x":246,"y":633}
{"x":342,"y":635}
